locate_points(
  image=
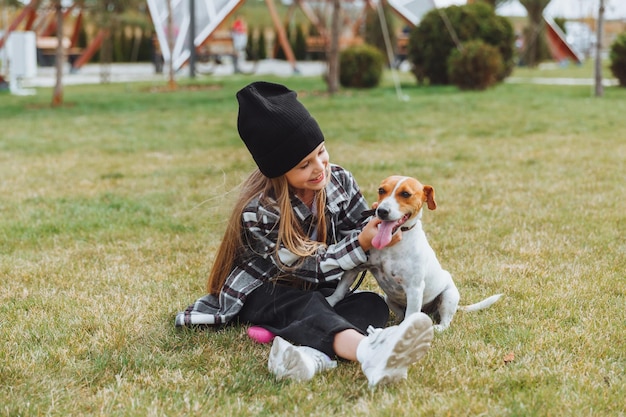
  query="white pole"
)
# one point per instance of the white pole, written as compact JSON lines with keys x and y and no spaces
{"x":388,"y":46}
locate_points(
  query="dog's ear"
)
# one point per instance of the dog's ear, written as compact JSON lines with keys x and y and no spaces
{"x":429,"y":196}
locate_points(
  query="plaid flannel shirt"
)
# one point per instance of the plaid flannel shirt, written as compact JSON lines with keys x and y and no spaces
{"x":344,"y":206}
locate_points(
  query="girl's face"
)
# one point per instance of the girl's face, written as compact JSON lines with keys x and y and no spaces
{"x":311,"y":174}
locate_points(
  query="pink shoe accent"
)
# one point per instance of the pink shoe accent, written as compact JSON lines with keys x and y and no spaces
{"x":260,"y":334}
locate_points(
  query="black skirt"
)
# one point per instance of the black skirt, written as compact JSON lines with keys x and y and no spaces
{"x":303,"y":317}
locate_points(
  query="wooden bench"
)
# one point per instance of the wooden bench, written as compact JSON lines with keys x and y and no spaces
{"x":47,"y":50}
{"x":319,"y":44}
{"x":220,"y":43}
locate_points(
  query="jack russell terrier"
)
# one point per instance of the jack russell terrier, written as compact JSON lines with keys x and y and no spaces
{"x":408,"y":271}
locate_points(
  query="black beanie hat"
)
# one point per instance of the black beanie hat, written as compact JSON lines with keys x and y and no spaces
{"x":276,"y":128}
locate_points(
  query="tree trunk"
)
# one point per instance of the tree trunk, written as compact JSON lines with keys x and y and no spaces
{"x":170,"y":45}
{"x":333,"y":49}
{"x":57,"y":95}
{"x":535,"y":42}
{"x":598,"y":71}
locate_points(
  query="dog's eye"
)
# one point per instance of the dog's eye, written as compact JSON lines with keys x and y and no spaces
{"x":381,"y":191}
{"x":405,"y":194}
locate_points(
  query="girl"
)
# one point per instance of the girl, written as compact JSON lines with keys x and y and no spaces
{"x":295,"y":229}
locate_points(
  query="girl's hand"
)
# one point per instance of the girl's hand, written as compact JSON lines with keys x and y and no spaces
{"x":371,"y":229}
{"x":368,"y":233}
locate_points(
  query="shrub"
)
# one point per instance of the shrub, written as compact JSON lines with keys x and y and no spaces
{"x":251,"y":47}
{"x":261,"y":49}
{"x":430,"y":43}
{"x":617,"y":56}
{"x":255,"y":42}
{"x":296,"y":40}
{"x":299,"y":44}
{"x":361,"y":66}
{"x":475,"y":67}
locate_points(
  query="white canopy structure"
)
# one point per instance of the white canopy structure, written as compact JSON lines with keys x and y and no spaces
{"x":208,"y":15}
{"x":570,"y":9}
{"x":414,"y":10}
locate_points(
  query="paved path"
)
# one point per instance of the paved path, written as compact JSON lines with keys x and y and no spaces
{"x":93,"y":73}
{"x":559,"y":81}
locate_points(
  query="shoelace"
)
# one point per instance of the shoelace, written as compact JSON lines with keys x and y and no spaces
{"x":320,"y":363}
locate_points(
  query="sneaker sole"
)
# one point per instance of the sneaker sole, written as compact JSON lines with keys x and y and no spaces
{"x":412,"y":346}
{"x":293,"y":364}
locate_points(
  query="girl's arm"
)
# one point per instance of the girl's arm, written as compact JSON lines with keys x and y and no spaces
{"x":328,"y":263}
{"x":351,"y":238}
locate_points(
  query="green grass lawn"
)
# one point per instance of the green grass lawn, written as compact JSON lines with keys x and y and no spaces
{"x":112,"y":208}
{"x":585,"y":70}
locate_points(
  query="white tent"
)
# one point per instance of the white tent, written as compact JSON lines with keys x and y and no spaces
{"x":414,"y":10}
{"x":571,"y":9}
{"x":208,"y":15}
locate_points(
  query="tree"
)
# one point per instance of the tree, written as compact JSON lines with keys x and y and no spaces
{"x":170,"y":44}
{"x":598,"y":63}
{"x":57,"y":94}
{"x":536,"y":48}
{"x":333,"y":50}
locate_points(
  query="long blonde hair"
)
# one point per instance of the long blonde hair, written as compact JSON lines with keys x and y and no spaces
{"x":290,"y":233}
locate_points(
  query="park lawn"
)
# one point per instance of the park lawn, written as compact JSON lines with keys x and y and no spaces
{"x":568,"y":70}
{"x":113,"y":207}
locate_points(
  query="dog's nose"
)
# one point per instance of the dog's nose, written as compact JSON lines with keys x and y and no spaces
{"x":382,"y":213}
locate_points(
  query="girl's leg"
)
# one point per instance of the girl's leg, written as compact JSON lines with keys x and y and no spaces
{"x":364,"y":309}
{"x":346,"y":343}
{"x":305,"y":318}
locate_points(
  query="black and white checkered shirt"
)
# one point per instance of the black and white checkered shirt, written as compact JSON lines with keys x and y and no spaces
{"x":257,"y":264}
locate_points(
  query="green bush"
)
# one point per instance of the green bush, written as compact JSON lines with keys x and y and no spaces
{"x":251,"y":46}
{"x":299,"y":44}
{"x":430,"y":43}
{"x":617,"y":56}
{"x":261,"y":47}
{"x":361,"y":66}
{"x":296,"y":40}
{"x":475,"y":67}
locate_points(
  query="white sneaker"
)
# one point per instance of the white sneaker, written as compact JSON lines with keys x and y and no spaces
{"x":386,"y":354}
{"x":299,"y":363}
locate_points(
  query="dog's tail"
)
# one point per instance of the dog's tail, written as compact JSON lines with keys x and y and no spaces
{"x":481,"y":304}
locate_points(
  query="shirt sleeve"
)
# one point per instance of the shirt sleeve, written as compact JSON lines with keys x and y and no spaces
{"x":328,"y":263}
{"x":257,"y":263}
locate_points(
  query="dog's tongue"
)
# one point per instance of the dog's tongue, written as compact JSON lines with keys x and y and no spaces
{"x":383,"y":237}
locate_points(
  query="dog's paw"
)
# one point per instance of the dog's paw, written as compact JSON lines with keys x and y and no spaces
{"x":440,"y":327}
{"x":332,"y":300}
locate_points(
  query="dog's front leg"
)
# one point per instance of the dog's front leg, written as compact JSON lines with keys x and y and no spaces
{"x":343,"y":287}
{"x":415,"y":298}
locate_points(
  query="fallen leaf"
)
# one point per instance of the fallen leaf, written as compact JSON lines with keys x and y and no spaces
{"x":509,"y":357}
